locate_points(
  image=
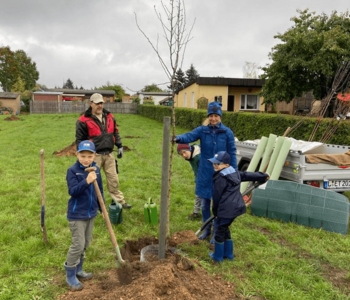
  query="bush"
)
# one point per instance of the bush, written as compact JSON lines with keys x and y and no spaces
{"x":250,"y":126}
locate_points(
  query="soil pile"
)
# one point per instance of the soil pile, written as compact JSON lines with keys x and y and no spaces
{"x":174,"y":277}
{"x":72,"y":149}
{"x":68,"y":151}
{"x":13,"y":118}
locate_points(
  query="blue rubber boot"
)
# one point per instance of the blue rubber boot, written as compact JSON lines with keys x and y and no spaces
{"x":80,"y":273}
{"x":206,"y":232}
{"x":71,"y":279}
{"x":228,"y":250}
{"x":218,"y":254}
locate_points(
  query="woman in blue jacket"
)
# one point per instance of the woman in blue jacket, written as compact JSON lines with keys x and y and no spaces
{"x":213,"y":137}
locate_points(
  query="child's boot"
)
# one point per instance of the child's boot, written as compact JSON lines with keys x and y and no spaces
{"x":71,"y":279}
{"x":206,"y":232}
{"x":218,"y":254}
{"x":228,"y":250}
{"x":194,"y":216}
{"x":80,"y":273}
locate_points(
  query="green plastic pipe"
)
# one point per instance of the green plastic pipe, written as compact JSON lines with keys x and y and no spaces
{"x":275,"y":153}
{"x":276,"y":172}
{"x":268,"y":150}
{"x":255,"y":160}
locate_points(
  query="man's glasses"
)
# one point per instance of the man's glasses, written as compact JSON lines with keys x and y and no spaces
{"x":100,"y":103}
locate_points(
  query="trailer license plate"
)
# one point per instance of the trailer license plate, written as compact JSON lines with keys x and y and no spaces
{"x":338,"y":184}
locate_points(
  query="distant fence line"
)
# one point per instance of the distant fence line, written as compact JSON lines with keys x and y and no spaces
{"x":68,"y":107}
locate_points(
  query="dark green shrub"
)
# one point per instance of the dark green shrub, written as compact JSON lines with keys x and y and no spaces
{"x":253,"y":125}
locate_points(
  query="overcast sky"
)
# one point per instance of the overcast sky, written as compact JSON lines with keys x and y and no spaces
{"x":95,"y":42}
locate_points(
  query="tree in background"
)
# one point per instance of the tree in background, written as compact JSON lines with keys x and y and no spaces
{"x":18,"y":86}
{"x":16,"y":64}
{"x":68,"y":85}
{"x":250,"y":70}
{"x":119,"y":91}
{"x":308,"y":57}
{"x":191,"y":74}
{"x":152,"y":88}
{"x":180,"y":79}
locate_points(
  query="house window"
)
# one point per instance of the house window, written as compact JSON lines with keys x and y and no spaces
{"x":249,"y":102}
{"x":218,"y":99}
{"x":185,"y":100}
{"x":192,"y":99}
{"x":107,"y":99}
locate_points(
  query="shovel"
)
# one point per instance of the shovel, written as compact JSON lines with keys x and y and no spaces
{"x":247,"y":191}
{"x":125,"y":274}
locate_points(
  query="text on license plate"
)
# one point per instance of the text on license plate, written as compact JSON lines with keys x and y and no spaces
{"x":338,"y":184}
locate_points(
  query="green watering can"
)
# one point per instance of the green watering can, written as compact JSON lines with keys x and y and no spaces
{"x":150,"y":211}
{"x":116,"y":213}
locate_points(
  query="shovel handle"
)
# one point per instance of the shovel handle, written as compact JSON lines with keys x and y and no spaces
{"x":105,"y":213}
{"x":247,"y":191}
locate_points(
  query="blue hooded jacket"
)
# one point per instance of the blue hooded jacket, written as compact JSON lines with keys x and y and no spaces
{"x":83,"y":203}
{"x":227,"y":198}
{"x":213,"y":139}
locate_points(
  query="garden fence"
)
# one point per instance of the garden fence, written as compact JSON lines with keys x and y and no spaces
{"x":67,"y":107}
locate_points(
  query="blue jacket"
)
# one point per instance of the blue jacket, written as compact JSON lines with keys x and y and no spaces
{"x":212,"y":141}
{"x":83,"y":203}
{"x":227,"y":199}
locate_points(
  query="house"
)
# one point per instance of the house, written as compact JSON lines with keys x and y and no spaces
{"x":71,"y":95}
{"x":11,"y":100}
{"x":156,"y":97}
{"x":235,"y":94}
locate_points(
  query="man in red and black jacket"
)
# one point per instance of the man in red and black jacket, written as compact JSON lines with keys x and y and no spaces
{"x":99,"y":126}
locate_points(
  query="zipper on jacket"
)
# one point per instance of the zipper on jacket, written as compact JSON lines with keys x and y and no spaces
{"x":75,"y":205}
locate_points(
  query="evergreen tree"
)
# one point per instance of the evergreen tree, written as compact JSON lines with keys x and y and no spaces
{"x":19,"y":86}
{"x":180,"y":80}
{"x":191,"y":74}
{"x":68,"y":84}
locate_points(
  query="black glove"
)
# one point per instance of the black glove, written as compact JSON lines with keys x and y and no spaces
{"x":177,"y":139}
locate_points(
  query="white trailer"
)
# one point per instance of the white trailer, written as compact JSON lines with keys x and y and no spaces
{"x":325,"y":176}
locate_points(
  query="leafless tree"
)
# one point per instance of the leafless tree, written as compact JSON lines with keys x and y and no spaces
{"x":177,"y":35}
{"x":250,"y":70}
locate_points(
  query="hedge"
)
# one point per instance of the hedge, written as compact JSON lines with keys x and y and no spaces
{"x":250,"y":126}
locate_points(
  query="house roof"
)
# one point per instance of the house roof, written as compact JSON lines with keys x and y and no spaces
{"x":47,"y":93}
{"x":74,"y":91}
{"x":155,"y":93}
{"x":8,"y":95}
{"x":232,"y":82}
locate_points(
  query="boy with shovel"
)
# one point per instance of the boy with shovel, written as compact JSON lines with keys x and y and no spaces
{"x":228,"y":202}
{"x":82,"y":210}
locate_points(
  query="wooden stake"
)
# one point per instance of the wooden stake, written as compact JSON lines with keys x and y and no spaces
{"x":43,"y":228}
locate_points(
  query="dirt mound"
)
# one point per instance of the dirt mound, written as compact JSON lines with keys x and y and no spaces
{"x":68,"y":151}
{"x":174,"y":277}
{"x":13,"y":118}
{"x":72,"y":149}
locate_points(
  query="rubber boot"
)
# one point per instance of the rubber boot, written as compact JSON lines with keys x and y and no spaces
{"x":71,"y":279}
{"x":206,"y":232}
{"x":80,"y":273}
{"x":228,"y":250}
{"x":218,"y":254}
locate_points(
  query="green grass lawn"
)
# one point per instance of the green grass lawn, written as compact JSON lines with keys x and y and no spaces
{"x":273,"y":259}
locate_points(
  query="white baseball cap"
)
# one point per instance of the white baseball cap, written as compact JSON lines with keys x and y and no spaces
{"x":96,"y":98}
